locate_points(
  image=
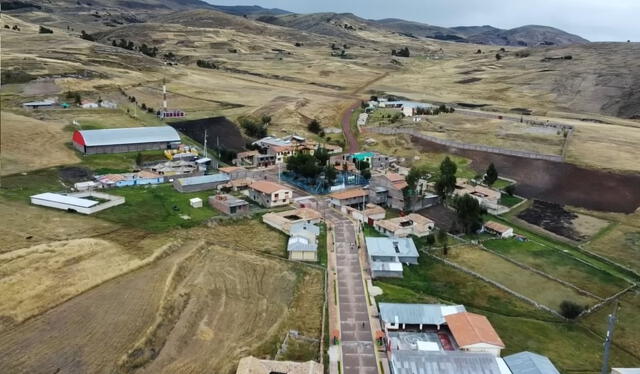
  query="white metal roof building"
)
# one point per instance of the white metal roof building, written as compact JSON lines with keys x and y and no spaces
{"x":386,"y":255}
{"x":200,"y":183}
{"x":530,"y":363}
{"x":130,"y":139}
{"x":394,"y":314}
{"x":76,"y":202}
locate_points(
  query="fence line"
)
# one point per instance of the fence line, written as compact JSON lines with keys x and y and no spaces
{"x":455,"y":144}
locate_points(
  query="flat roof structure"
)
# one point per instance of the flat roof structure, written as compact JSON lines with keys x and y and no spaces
{"x":427,"y":362}
{"x":301,"y":243}
{"x":267,"y":187}
{"x":202,"y":179}
{"x":403,"y":247}
{"x":530,"y":363}
{"x":64,"y":199}
{"x":497,"y":227}
{"x":417,"y":314}
{"x":131,"y":135}
{"x":349,"y":194}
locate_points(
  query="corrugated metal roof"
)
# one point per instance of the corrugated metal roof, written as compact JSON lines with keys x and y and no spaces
{"x":131,"y":135}
{"x":304,"y":227}
{"x":530,"y":363}
{"x":387,"y":247}
{"x":416,"y":362}
{"x":202,"y":179}
{"x":415,"y":314}
{"x":300,"y":243}
{"x":64,"y":199}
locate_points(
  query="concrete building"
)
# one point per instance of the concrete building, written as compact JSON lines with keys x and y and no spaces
{"x":387,"y":190}
{"x":129,"y":179}
{"x":200,"y":183}
{"x":176,"y":169}
{"x":386,"y":255}
{"x":401,"y":227}
{"x":86,"y":186}
{"x":303,"y":242}
{"x":252,"y":365}
{"x":474,"y":333}
{"x":78,"y":202}
{"x":354,"y":197}
{"x":285,"y":221}
{"x":369,"y":214}
{"x":488,"y":198}
{"x":396,"y":316}
{"x":234,"y":172}
{"x":270,"y":194}
{"x":229,"y":205}
{"x":133,"y":139}
{"x":531,"y":363}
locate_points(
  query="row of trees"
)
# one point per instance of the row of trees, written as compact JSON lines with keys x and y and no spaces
{"x":435,"y":111}
{"x":130,"y":45}
{"x":254,"y":128}
{"x":313,"y":166}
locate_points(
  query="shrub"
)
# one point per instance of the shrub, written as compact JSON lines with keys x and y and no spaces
{"x":570,"y":310}
{"x":510,"y":189}
{"x":314,"y":126}
{"x":44,"y":30}
{"x":85,"y":36}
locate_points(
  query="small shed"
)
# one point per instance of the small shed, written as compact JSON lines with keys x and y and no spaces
{"x":196,"y":202}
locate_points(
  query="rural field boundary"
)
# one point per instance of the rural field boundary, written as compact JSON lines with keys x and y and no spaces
{"x":541,"y":273}
{"x":456,"y":144}
{"x":605,"y":301}
{"x":499,"y":285}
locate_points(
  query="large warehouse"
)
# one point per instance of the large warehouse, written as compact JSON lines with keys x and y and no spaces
{"x":130,"y":139}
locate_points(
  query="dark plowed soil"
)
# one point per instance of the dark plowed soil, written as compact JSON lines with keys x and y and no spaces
{"x":552,"y":217}
{"x":442,"y":216}
{"x":557,"y":182}
{"x":219,"y":129}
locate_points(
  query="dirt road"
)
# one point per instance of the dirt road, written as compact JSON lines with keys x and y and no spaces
{"x":349,"y":136}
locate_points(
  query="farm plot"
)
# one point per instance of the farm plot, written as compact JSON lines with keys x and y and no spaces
{"x":558,"y":264}
{"x":626,"y":333}
{"x":527,"y":283}
{"x":620,"y":244}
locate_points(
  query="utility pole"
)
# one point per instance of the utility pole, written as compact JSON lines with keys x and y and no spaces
{"x":608,"y":339}
{"x":205,"y":143}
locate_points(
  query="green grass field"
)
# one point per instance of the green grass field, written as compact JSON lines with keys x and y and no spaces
{"x":501,"y":183}
{"x":618,"y":243}
{"x":508,"y":200}
{"x":322,"y":245}
{"x":118,"y":162}
{"x":546,"y":291}
{"x":558,"y":264}
{"x":158,"y":208}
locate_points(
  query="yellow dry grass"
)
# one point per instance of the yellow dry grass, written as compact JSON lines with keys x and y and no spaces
{"x":620,"y":244}
{"x":29,"y":144}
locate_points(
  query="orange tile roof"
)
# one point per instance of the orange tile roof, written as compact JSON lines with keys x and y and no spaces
{"x":394,"y":177}
{"x":470,"y":328}
{"x":349,"y":194}
{"x":267,"y":187}
{"x":147,"y":174}
{"x":230,"y":169}
{"x":497,"y":227}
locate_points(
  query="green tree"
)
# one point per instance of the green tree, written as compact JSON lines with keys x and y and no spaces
{"x":491,"y":176}
{"x":469,"y":213}
{"x":139,"y":159}
{"x":448,"y":167}
{"x":265,"y":119}
{"x":322,"y":155}
{"x":415,"y":173}
{"x":570,"y":310}
{"x":330,"y":175}
{"x":366,"y":173}
{"x":510,"y":189}
{"x":430,"y":240}
{"x":314,"y":126}
{"x":443,"y":240}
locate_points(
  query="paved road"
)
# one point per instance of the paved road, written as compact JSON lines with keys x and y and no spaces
{"x":358,"y":356}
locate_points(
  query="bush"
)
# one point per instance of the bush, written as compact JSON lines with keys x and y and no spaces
{"x":523,"y":54}
{"x":206,"y":64}
{"x":86,"y":36}
{"x":570,"y":310}
{"x":510,"y":189}
{"x":15,"y":76}
{"x":44,"y":30}
{"x":314,"y":126}
{"x":252,"y":128}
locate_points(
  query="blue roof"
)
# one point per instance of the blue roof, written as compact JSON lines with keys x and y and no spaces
{"x":213,"y":178}
{"x":530,"y":363}
{"x":403,"y":247}
{"x":362,"y":155}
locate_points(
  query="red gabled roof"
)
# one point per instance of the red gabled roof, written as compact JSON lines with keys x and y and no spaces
{"x":77,"y":138}
{"x":470,"y":328}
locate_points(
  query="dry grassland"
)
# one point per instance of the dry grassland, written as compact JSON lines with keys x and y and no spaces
{"x":546,"y":291}
{"x":29,"y":144}
{"x":620,"y":244}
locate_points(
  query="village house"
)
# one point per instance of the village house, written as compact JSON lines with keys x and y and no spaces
{"x":387,"y":190}
{"x":488,"y":198}
{"x":254,"y":159}
{"x":176,"y":169}
{"x":498,"y":229}
{"x":303,"y":242}
{"x":86,"y":202}
{"x":415,"y":317}
{"x":229,"y":205}
{"x":533,"y":363}
{"x":401,"y":227}
{"x":474,"y":333}
{"x":270,"y":194}
{"x":369,"y":214}
{"x":284,"y":221}
{"x":234,"y":172}
{"x":374,"y":159}
{"x":386,"y":255}
{"x":200,"y":183}
{"x":354,"y":197}
{"x":129,"y":179}
{"x":252,"y":365}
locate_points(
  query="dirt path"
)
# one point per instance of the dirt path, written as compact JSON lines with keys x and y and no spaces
{"x":349,"y":136}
